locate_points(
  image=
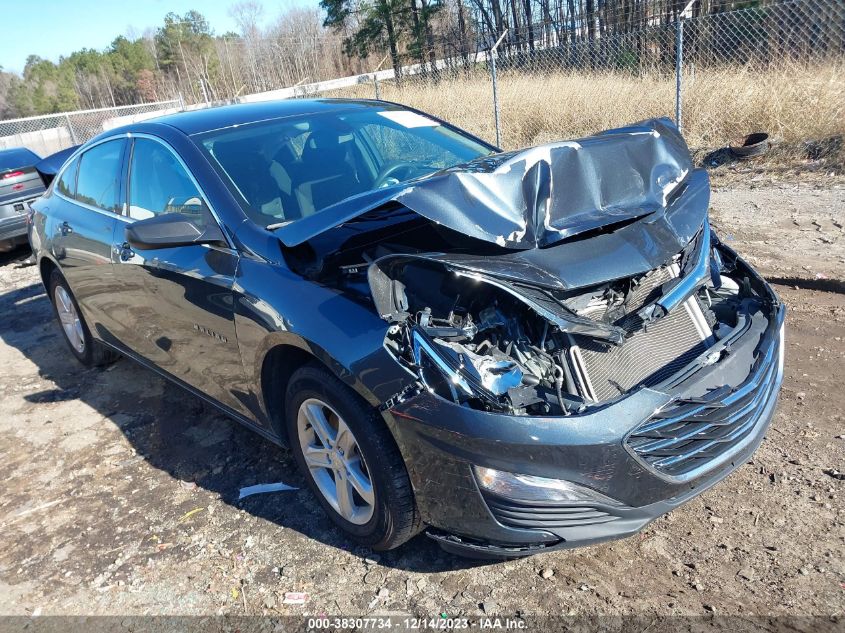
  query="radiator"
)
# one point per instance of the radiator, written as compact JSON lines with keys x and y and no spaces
{"x":652,"y":351}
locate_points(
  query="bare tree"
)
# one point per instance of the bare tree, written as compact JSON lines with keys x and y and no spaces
{"x":247,"y":15}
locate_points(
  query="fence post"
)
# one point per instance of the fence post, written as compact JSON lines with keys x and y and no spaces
{"x":679,"y":61}
{"x":493,"y":54}
{"x":70,"y":129}
{"x":375,"y":72}
{"x":679,"y":56}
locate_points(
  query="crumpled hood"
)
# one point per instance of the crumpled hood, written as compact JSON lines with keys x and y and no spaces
{"x":620,"y":251}
{"x":538,"y":196}
{"x":541,"y":195}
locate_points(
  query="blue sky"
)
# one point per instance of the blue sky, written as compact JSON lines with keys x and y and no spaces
{"x":51,"y":28}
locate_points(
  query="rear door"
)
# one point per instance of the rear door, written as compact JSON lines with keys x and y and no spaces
{"x":175,"y":304}
{"x":84,"y":214}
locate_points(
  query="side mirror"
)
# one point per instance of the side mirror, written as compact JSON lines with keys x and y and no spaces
{"x":169,"y":230}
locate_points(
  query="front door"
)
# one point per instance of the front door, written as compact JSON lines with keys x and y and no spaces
{"x":176,"y":303}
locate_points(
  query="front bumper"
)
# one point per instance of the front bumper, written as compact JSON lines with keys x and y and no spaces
{"x":442,"y":441}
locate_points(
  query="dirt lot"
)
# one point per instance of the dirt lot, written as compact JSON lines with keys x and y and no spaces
{"x":120,"y":491}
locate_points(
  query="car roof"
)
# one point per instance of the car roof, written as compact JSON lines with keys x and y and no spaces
{"x":208,"y":119}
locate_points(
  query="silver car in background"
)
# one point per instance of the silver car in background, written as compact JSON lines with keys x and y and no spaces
{"x":20,"y":184}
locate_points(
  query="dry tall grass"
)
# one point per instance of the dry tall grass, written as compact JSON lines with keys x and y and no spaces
{"x":791,"y":103}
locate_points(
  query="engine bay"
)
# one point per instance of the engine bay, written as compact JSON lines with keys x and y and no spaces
{"x":496,"y":345}
{"x":495,"y":330}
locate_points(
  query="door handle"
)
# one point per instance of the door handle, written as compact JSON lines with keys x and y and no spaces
{"x":65,"y":228}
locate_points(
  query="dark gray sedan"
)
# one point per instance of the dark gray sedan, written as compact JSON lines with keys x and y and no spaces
{"x":513,"y":352}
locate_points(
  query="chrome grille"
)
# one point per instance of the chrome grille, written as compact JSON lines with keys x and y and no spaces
{"x":687,"y":438}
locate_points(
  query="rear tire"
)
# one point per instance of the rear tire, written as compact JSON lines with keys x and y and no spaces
{"x":348,"y":447}
{"x":75,"y":331}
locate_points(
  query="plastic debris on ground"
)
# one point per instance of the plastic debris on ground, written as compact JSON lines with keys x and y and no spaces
{"x":189,"y":514}
{"x":295,"y":597}
{"x":262,"y":488}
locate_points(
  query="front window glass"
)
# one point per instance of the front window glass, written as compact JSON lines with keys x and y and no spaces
{"x":98,"y":182}
{"x":290,"y":168}
{"x":159,"y":184}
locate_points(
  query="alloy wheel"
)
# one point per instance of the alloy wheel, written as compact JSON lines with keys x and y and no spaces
{"x":69,"y":318}
{"x":335,"y":461}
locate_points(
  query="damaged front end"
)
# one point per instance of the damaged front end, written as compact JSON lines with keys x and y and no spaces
{"x":611,"y":281}
{"x":565,"y":319}
{"x":498,"y":345}
{"x":544,"y":282}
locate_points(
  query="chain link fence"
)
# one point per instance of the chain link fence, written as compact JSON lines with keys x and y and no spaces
{"x":50,"y":133}
{"x":778,"y":66}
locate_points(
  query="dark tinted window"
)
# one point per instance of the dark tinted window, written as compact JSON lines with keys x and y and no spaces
{"x":98,"y":182}
{"x":67,"y":183}
{"x":159,"y":184}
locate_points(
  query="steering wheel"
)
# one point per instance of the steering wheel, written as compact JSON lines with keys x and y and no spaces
{"x":392,"y":168}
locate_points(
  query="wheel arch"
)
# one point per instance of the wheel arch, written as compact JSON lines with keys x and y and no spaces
{"x":46,"y":266}
{"x":278,"y":362}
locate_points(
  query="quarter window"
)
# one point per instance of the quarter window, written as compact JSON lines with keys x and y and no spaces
{"x":159,"y":184}
{"x":98,"y":182}
{"x":67,"y":183}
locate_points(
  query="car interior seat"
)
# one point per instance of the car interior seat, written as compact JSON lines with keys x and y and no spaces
{"x":252,"y":175}
{"x":330,"y":170}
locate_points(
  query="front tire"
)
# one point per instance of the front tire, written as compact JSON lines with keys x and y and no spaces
{"x":76,"y":333}
{"x":350,"y":460}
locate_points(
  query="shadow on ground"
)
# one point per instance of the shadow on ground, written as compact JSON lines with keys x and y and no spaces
{"x":179,"y":434}
{"x":16,"y":257}
{"x":823,"y":284}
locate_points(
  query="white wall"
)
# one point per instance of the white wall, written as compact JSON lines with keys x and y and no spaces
{"x":42,"y":142}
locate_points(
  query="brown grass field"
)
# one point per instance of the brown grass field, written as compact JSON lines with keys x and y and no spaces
{"x":792,"y":103}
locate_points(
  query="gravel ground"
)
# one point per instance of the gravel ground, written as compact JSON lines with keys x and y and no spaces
{"x":121,"y":491}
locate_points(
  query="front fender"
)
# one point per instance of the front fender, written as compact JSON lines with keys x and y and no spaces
{"x":275,"y":307}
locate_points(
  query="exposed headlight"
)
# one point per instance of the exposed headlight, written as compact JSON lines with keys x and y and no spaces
{"x":531,"y":488}
{"x":435,"y":372}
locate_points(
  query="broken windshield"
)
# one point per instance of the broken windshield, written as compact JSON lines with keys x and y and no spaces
{"x":288,"y":169}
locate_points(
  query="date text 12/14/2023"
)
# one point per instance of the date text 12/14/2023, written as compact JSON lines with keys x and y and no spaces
{"x":440,"y":623}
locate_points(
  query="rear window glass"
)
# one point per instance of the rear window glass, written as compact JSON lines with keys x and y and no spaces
{"x":17,"y":157}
